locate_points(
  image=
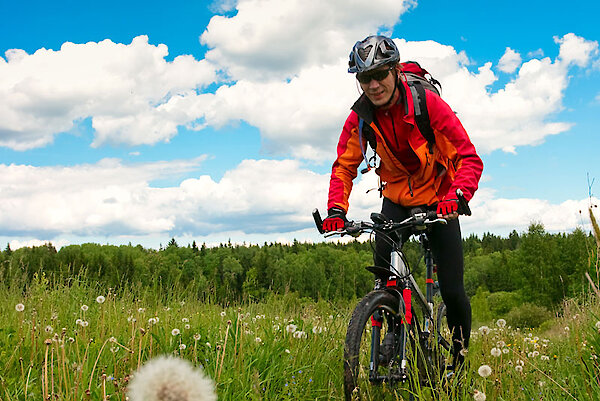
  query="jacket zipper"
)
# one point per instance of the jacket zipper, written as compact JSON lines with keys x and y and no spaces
{"x":410,"y":187}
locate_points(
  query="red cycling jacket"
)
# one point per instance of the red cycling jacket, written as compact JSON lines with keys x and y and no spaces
{"x":452,"y":163}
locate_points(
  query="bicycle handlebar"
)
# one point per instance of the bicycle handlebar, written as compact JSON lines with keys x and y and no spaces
{"x":380,"y":222}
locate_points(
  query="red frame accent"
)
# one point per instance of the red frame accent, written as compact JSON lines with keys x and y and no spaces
{"x":375,"y":323}
{"x":407,"y":295}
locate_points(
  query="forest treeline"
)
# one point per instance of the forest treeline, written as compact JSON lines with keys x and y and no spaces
{"x":534,"y":268}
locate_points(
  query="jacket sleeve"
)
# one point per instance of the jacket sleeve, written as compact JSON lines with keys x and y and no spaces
{"x":344,"y":170}
{"x":452,"y":140}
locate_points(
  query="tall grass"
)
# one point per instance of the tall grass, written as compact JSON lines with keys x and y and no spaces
{"x":286,"y":348}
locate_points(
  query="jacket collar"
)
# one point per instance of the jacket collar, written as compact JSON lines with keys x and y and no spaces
{"x":365,"y":109}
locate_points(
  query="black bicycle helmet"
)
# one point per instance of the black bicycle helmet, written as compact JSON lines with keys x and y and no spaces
{"x":372,"y":52}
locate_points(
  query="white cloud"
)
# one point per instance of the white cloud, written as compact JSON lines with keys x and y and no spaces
{"x":259,"y":200}
{"x":510,"y":61}
{"x":272,"y":38}
{"x":576,"y":50}
{"x":113,"y":199}
{"x":125,"y":89}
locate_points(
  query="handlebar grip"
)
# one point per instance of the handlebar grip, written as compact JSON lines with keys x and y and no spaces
{"x":318,"y":220}
{"x":463,"y":205}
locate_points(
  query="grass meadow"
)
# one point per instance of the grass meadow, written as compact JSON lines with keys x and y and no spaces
{"x":76,"y":342}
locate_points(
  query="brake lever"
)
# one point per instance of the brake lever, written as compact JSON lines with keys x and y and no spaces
{"x":438,"y":220}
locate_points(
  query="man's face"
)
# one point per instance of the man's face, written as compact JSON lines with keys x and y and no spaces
{"x":378,"y":85}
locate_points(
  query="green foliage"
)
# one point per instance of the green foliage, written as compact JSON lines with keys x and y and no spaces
{"x":528,"y":316}
{"x":501,"y":302}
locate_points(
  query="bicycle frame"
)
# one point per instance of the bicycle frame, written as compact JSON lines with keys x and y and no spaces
{"x":402,"y":283}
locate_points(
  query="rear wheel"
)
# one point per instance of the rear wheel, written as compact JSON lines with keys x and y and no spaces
{"x":373,"y":351}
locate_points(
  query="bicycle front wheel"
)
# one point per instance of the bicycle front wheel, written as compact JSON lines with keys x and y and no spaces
{"x":375,"y":346}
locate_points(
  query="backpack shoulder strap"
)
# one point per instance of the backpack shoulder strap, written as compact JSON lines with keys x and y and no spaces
{"x":421,"y":114}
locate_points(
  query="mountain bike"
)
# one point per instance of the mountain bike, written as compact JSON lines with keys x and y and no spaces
{"x":397,"y":334}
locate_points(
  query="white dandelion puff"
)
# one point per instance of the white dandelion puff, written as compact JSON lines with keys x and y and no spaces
{"x":21,"y":308}
{"x":496,"y":352}
{"x":291,"y":328}
{"x":299,"y":334}
{"x":78,"y":322}
{"x":478,"y":396}
{"x":484,"y":330}
{"x":100,"y":299}
{"x":197,"y":337}
{"x":501,"y":323}
{"x":84,"y":307}
{"x":187,"y":327}
{"x":167,"y":378}
{"x":175,"y":332}
{"x":484,"y":370}
{"x":597,"y":323}
{"x":185,"y":320}
{"x":223,"y":314}
{"x":519,"y":368}
{"x":258,"y":340}
{"x":182,"y":346}
{"x":49,"y":329}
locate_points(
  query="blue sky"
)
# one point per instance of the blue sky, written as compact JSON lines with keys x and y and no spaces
{"x":230,"y":133}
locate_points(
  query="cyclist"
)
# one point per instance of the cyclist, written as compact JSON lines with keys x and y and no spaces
{"x":412,"y":172}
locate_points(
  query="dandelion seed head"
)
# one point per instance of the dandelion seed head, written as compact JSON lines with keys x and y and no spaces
{"x":519,"y":368}
{"x":170,"y":379}
{"x":496,"y":352}
{"x":185,"y":320}
{"x":85,"y":323}
{"x":484,"y":370}
{"x":597,"y":323}
{"x":291,"y":328}
{"x":84,"y":307}
{"x":187,"y":327}
{"x":141,"y":310}
{"x":478,"y":395}
{"x":223,"y":314}
{"x":49,"y":329}
{"x":21,"y":308}
{"x":175,"y":332}
{"x":182,"y":346}
{"x":501,"y":323}
{"x":299,"y":334}
{"x":484,"y":330}
{"x":197,"y":337}
{"x":100,"y":299}
{"x":258,"y":340}
{"x":287,"y":351}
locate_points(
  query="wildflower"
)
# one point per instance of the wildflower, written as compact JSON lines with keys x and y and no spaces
{"x":141,"y":310}
{"x":185,"y":320}
{"x":258,"y":340}
{"x":208,"y":345}
{"x":175,"y":332}
{"x":484,"y":370}
{"x":478,"y":396}
{"x":597,"y":323}
{"x":187,"y":327}
{"x":484,"y":330}
{"x":287,"y":351}
{"x":85,"y":323}
{"x":84,"y":307}
{"x":291,"y":328}
{"x":112,"y":340}
{"x":100,"y":299}
{"x":78,"y":322}
{"x":496,"y":352}
{"x":21,"y":308}
{"x":168,"y":378}
{"x":567,"y":329}
{"x":182,"y":346}
{"x":299,"y":334}
{"x":223,"y":314}
{"x":317,"y":330}
{"x":535,"y":353}
{"x":501,"y":323}
{"x":505,"y":350}
{"x":519,"y":368}
{"x":500,"y":344}
{"x":196,"y":337}
{"x":545,"y":358}
{"x":49,"y":329}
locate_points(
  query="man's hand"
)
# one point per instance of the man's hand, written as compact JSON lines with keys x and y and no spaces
{"x":448,"y":209}
{"x":335,"y":221}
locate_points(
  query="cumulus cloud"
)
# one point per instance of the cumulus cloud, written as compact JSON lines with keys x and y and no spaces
{"x":510,"y":61}
{"x":115,"y":199}
{"x":259,"y":200}
{"x":127,"y":90}
{"x":521,"y":113}
{"x":276,"y":39}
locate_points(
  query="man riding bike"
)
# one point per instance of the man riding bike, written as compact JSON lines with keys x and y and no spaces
{"x":413,"y":173}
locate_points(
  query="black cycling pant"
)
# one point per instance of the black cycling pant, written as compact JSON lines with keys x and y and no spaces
{"x":446,"y":245}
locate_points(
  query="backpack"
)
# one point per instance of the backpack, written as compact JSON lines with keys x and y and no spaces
{"x":418,"y":80}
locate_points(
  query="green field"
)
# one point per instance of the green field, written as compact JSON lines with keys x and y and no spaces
{"x":67,"y":345}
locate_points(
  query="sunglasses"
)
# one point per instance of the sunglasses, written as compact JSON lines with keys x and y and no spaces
{"x":377,"y":75}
